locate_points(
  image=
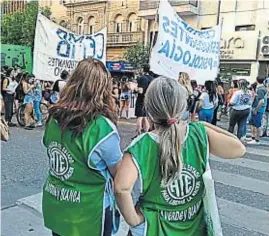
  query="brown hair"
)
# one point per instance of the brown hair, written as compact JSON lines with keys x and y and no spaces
{"x":86,"y":95}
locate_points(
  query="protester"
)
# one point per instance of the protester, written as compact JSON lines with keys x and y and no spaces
{"x":208,"y":102}
{"x":221,"y":97}
{"x":258,"y":109}
{"x":8,"y":91}
{"x":143,"y":82}
{"x":19,"y":90}
{"x":115,"y":94}
{"x":28,"y":89}
{"x":58,"y":86}
{"x":232,"y":90}
{"x":220,"y":94}
{"x":266,"y":113}
{"x":163,"y":159}
{"x":36,"y":102}
{"x":185,"y":81}
{"x":196,"y":94}
{"x":125,"y":98}
{"x":240,"y":109}
{"x":84,"y":152}
{"x":46,"y":90}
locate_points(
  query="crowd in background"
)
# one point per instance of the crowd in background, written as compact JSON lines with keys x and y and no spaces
{"x":19,"y":87}
{"x":243,"y":103}
{"x":146,"y":179}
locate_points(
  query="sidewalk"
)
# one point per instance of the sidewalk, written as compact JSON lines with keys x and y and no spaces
{"x":25,"y":218}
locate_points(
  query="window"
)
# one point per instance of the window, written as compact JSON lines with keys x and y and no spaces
{"x":119,"y":23}
{"x":244,"y":27}
{"x":132,"y":23}
{"x":91,"y":25}
{"x":118,"y":27}
{"x":80,"y":29}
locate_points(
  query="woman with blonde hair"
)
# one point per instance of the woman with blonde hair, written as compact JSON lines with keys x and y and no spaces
{"x":84,"y":153}
{"x":169,"y":163}
{"x":240,"y":104}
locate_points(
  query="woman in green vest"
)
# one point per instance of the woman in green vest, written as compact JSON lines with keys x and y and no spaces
{"x":84,"y":153}
{"x":168,"y":164}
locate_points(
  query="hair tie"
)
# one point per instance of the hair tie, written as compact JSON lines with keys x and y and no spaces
{"x":171,"y":121}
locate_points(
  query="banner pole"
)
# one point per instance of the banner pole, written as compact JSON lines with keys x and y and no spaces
{"x":154,"y":30}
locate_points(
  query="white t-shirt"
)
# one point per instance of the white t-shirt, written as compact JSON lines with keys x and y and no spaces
{"x":207,"y":103}
{"x":12,"y":87}
{"x":241,"y":101}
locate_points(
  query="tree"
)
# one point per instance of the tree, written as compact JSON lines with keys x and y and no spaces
{"x":138,"y":55}
{"x":19,"y":28}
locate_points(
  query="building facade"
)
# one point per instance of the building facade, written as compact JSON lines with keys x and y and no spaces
{"x":58,"y":10}
{"x":245,"y":31}
{"x":9,"y":7}
{"x":245,"y":27}
{"x":124,"y":27}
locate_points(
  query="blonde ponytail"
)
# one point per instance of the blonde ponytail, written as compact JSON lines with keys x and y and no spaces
{"x":165,"y":103}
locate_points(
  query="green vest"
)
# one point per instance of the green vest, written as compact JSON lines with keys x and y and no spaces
{"x":178,"y":208}
{"x":73,"y":194}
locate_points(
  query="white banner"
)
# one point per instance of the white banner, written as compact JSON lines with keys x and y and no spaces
{"x":181,"y":48}
{"x":57,"y":49}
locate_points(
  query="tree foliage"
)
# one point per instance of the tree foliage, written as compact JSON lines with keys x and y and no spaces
{"x":19,"y":27}
{"x":138,"y":55}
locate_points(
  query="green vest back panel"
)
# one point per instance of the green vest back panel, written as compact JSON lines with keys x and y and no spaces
{"x":178,"y":208}
{"x":73,"y":195}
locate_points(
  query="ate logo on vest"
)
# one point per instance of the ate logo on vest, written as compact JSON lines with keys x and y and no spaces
{"x":60,"y":161}
{"x":184,"y":188}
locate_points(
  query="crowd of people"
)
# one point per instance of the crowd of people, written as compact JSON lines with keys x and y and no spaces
{"x":150,"y":181}
{"x":20,"y":87}
{"x":157,"y":182}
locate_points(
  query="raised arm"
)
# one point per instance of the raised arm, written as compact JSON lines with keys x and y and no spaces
{"x":222,"y":143}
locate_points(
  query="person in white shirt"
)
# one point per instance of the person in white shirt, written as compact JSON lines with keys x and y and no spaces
{"x":208,"y":101}
{"x":9,"y":87}
{"x":240,"y":102}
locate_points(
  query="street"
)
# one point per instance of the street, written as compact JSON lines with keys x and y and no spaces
{"x":242,"y":185}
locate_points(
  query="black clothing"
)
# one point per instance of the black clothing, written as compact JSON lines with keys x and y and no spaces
{"x":9,"y":100}
{"x":239,"y":118}
{"x":143,"y":82}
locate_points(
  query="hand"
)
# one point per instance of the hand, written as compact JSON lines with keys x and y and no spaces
{"x":254,"y":112}
{"x":140,"y":216}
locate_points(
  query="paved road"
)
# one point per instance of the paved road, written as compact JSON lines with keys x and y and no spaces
{"x":242,"y":185}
